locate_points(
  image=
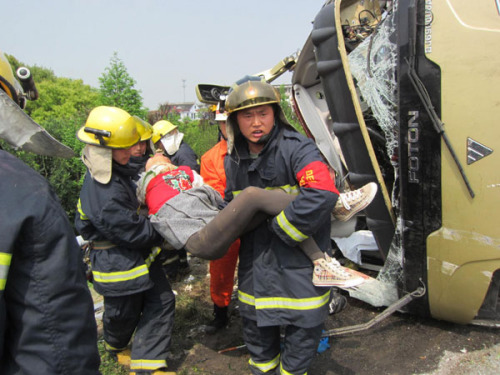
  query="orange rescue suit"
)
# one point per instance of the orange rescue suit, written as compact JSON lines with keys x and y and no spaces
{"x":221,"y":270}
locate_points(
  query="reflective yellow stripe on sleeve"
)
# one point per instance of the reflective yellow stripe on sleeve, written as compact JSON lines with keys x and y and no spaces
{"x":80,"y":211}
{"x":152,"y":256}
{"x":284,"y":303}
{"x":266,"y":366}
{"x":5,"y":259}
{"x":115,"y":277}
{"x":289,"y":229}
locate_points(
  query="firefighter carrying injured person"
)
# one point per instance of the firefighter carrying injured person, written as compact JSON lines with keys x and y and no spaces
{"x":188,"y":213}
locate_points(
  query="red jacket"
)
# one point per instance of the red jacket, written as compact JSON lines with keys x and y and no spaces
{"x":167,"y":185}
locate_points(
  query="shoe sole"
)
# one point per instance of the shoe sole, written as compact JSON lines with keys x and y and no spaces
{"x":348,"y":284}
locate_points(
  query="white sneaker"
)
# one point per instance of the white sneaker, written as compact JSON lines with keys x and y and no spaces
{"x":329,"y":272}
{"x":350,"y":203}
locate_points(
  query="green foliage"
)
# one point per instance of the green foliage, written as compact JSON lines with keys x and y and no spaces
{"x":38,"y":73}
{"x":63,"y":99}
{"x":288,"y":110}
{"x":200,"y":135}
{"x":174,"y":117}
{"x":117,"y":89}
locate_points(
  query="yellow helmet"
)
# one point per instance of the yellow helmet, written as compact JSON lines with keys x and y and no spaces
{"x":144,"y":128}
{"x":9,"y":83}
{"x":161,"y":128}
{"x":110,"y":127}
{"x":251,"y":92}
{"x":16,"y":128}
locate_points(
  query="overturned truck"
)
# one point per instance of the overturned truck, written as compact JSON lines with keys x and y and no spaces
{"x":406,"y":94}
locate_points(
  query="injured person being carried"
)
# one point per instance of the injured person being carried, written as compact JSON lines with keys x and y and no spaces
{"x":190,"y":214}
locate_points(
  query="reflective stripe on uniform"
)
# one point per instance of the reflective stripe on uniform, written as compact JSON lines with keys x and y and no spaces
{"x":112,"y":348}
{"x":289,"y":229}
{"x":284,"y":372}
{"x":267,"y":366}
{"x":5,"y":259}
{"x":115,"y":277}
{"x":147,"y":364}
{"x":289,"y":189}
{"x":284,"y":303}
{"x":80,"y":211}
{"x":152,"y":256}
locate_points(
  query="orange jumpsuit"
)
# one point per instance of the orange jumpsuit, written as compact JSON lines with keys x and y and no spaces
{"x":221,"y":270}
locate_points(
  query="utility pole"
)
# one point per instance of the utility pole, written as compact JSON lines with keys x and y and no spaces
{"x":184,"y":89}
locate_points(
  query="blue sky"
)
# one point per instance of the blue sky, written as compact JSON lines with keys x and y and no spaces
{"x":161,"y":42}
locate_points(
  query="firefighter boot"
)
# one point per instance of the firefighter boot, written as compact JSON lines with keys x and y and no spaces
{"x":220,"y":320}
{"x":123,"y":357}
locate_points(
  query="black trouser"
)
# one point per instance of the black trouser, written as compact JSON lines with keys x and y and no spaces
{"x":150,"y":314}
{"x":264,"y":344}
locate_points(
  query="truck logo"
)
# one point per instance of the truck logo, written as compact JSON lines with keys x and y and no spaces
{"x":476,"y":151}
{"x":413,"y":151}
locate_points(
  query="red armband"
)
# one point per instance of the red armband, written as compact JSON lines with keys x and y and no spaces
{"x":316,"y":176}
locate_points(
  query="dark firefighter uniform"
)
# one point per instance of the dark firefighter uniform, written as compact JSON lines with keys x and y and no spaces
{"x":47,"y":321}
{"x":274,"y":275}
{"x":135,"y":289}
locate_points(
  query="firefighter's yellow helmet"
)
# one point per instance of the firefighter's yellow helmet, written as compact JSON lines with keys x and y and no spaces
{"x":251,"y":92}
{"x":109,"y":127}
{"x":144,"y":128}
{"x":9,"y":83}
{"x":161,"y":128}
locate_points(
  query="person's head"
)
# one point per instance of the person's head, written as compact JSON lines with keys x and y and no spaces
{"x":145,"y":131}
{"x":253,"y":105}
{"x":109,"y":134}
{"x":166,"y":137}
{"x":16,"y":128}
{"x":160,"y":162}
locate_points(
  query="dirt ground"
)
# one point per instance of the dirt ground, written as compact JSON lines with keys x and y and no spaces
{"x":401,"y":344}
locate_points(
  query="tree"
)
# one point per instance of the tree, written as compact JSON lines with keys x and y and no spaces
{"x":117,"y":89}
{"x":63,"y":99}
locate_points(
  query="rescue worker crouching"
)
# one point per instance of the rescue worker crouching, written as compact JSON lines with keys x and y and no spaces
{"x":137,"y":295}
{"x":47,"y":323}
